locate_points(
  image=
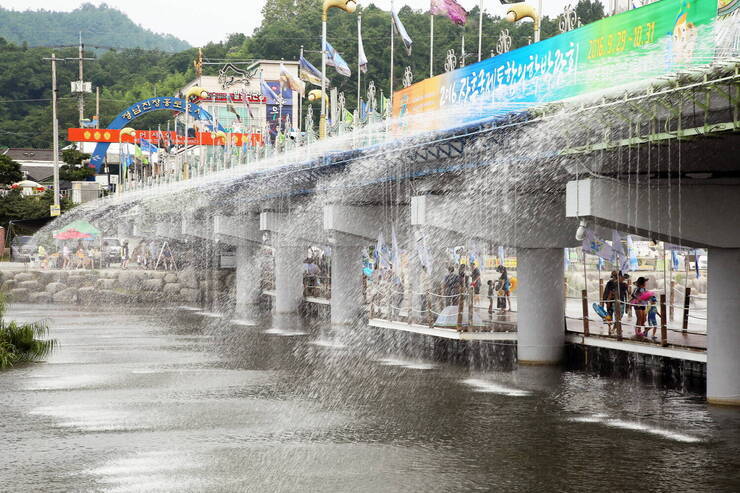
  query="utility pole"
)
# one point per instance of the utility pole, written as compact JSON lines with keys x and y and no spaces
{"x":81,"y":87}
{"x":55,"y":210}
{"x":97,"y":107}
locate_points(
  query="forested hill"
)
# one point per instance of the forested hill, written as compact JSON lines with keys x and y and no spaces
{"x":100,"y":26}
{"x":129,"y":75}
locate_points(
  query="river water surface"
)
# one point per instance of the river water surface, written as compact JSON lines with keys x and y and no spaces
{"x":134,"y":400}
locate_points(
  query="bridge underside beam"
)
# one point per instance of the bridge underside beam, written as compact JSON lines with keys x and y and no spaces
{"x":699,"y":215}
{"x":237,"y":230}
{"x":362,"y":222}
{"x":527,"y":221}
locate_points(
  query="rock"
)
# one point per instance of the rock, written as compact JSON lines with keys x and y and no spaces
{"x":40,"y":298}
{"x":189,"y":279}
{"x":190,"y":294}
{"x":170,"y":277}
{"x":31,"y":286}
{"x":87,"y":295}
{"x":68,"y":295}
{"x":172,"y":289}
{"x":130,"y":280}
{"x":107,"y":283}
{"x":152,"y":284}
{"x":9,"y":285}
{"x":155,"y":274}
{"x":75,"y":280}
{"x":47,"y":277}
{"x":18,"y":294}
{"x":55,"y":287}
{"x":25,"y":276}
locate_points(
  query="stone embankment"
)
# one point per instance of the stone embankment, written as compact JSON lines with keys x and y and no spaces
{"x":118,"y":286}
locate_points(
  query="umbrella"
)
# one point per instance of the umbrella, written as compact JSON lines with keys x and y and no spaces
{"x":77,"y":230}
{"x":72,"y":234}
{"x":81,"y":227}
{"x":28,"y":184}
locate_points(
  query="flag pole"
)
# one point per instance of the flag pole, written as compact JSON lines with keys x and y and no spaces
{"x":462,"y":48}
{"x":300,"y":97}
{"x":431,"y":44}
{"x":322,"y":119}
{"x":480,"y":30}
{"x":359,"y":70}
{"x":393,"y":28}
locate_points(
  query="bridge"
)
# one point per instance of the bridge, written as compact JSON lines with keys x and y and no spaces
{"x":655,"y":159}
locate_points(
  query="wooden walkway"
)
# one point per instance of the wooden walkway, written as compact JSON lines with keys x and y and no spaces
{"x":690,"y":346}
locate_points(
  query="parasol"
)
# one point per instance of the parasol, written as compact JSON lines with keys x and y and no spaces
{"x":77,"y":230}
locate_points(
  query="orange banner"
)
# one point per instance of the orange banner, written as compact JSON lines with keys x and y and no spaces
{"x":159,"y":138}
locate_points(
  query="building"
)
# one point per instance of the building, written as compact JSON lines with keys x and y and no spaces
{"x":36,"y":164}
{"x":236,"y":101}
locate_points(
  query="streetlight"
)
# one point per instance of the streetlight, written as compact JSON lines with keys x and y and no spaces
{"x":518,"y":11}
{"x":348,"y":6}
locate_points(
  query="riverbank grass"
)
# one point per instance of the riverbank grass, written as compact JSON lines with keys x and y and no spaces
{"x":22,"y":342}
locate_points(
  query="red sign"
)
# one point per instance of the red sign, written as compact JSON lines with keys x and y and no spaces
{"x":160,"y":138}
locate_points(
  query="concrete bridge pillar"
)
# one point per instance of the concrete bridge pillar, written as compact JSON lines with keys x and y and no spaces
{"x":540,"y":307}
{"x":346,"y":281}
{"x":288,"y":278}
{"x":723,"y":315}
{"x":351,"y":228}
{"x":247,"y":281}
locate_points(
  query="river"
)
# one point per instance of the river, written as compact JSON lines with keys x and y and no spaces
{"x":166,"y":400}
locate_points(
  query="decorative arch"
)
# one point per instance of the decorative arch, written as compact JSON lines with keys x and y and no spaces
{"x":143,"y":107}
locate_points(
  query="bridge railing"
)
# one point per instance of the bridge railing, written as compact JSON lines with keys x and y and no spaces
{"x":621,"y":323}
{"x":316,"y":286}
{"x":461,"y":311}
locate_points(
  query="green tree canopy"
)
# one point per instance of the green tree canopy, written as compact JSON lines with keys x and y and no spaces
{"x":10,"y":170}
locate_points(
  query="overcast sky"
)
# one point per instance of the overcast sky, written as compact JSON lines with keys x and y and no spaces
{"x":166,"y":16}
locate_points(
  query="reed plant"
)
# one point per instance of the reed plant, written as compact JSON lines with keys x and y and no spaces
{"x":22,"y":342}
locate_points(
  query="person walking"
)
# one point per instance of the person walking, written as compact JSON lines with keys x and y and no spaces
{"x":640,"y":305}
{"x":125,"y":255}
{"x":475,"y":283}
{"x":505,"y":285}
{"x":41,"y":254}
{"x":615,"y":289}
{"x":66,"y":257}
{"x":451,"y":286}
{"x":652,"y":317}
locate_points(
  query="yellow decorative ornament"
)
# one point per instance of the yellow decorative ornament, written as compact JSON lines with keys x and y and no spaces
{"x":219,"y":135}
{"x":196,"y":94}
{"x":348,"y":6}
{"x":518,"y":11}
{"x":315,"y":95}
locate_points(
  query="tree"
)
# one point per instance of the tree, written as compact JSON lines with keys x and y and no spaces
{"x":10,"y":171}
{"x":15,"y":206}
{"x":73,"y":156}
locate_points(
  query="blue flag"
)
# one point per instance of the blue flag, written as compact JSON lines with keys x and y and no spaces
{"x":334,"y":59}
{"x":398,"y":26}
{"x":272,"y":97}
{"x":147,"y":146}
{"x":308,"y":72}
{"x":696,"y":264}
{"x":674,"y":260}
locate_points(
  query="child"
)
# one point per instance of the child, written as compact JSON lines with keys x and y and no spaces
{"x":652,"y":320}
{"x":501,"y":296}
{"x":490,"y":296}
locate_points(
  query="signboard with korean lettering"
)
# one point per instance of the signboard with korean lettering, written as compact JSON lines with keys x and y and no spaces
{"x":659,"y":38}
{"x":162,"y":103}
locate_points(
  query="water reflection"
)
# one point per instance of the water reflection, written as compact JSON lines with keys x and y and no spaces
{"x":171,"y":401}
